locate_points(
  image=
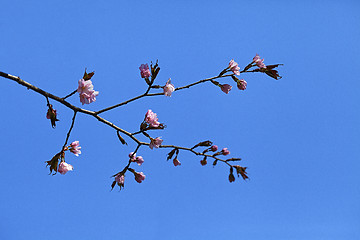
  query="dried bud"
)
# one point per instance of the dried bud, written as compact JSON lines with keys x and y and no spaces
{"x":176,"y":162}
{"x":270,"y":71}
{"x":241,"y":171}
{"x":53,"y":163}
{"x":231,"y":177}
{"x":154,"y":71}
{"x":52,"y":115}
{"x":203,"y":162}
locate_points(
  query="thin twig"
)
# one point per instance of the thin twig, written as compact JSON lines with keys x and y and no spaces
{"x":71,"y":127}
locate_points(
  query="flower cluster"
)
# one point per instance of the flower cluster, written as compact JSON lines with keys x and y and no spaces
{"x":86,"y":91}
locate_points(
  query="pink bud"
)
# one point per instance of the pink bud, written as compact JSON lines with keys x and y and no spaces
{"x":225,"y":88}
{"x":241,"y":84}
{"x":176,"y":162}
{"x":214,"y":148}
{"x":139,"y":177}
{"x":64,"y":168}
{"x":169,"y":88}
{"x":225,"y":151}
{"x":144,"y":71}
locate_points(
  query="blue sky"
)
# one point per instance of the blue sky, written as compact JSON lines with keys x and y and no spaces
{"x":298,"y":136}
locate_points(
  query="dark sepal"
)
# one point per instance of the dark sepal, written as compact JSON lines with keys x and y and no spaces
{"x":154,"y":71}
{"x":241,"y":171}
{"x":120,"y":138}
{"x":53,"y":163}
{"x":233,"y":159}
{"x":171,"y":154}
{"x":231,"y":175}
{"x":203,"y":144}
{"x":51,"y":113}
{"x":270,"y":71}
{"x":88,"y":76}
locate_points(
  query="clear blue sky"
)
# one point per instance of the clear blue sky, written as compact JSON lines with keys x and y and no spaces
{"x":299,"y":136}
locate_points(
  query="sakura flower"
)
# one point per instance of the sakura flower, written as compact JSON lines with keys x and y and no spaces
{"x":151,"y":118}
{"x":225,"y":88}
{"x":155,"y":142}
{"x":234,"y":67}
{"x":144,"y":70}
{"x":139,"y":160}
{"x":86,"y":92}
{"x":241,"y":84}
{"x":259,"y":62}
{"x":225,"y":151}
{"x":139,"y":176}
{"x":64,"y":168}
{"x":169,"y":88}
{"x":75,"y":148}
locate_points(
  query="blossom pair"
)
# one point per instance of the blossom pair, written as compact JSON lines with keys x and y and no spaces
{"x":146,"y":73}
{"x":241,"y":84}
{"x":138,"y":159}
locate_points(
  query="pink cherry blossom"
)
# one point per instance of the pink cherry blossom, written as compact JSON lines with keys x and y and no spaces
{"x":139,"y":160}
{"x":86,"y":92}
{"x":225,"y":151}
{"x":139,"y":176}
{"x":259,"y":62}
{"x":241,"y":84}
{"x":64,"y":168}
{"x":144,"y":70}
{"x":155,"y":142}
{"x":226,"y":88}
{"x":120,"y":179}
{"x":75,"y":148}
{"x":151,"y":118}
{"x":176,"y":162}
{"x":214,"y":148}
{"x":169,"y":88}
{"x":234,"y":67}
